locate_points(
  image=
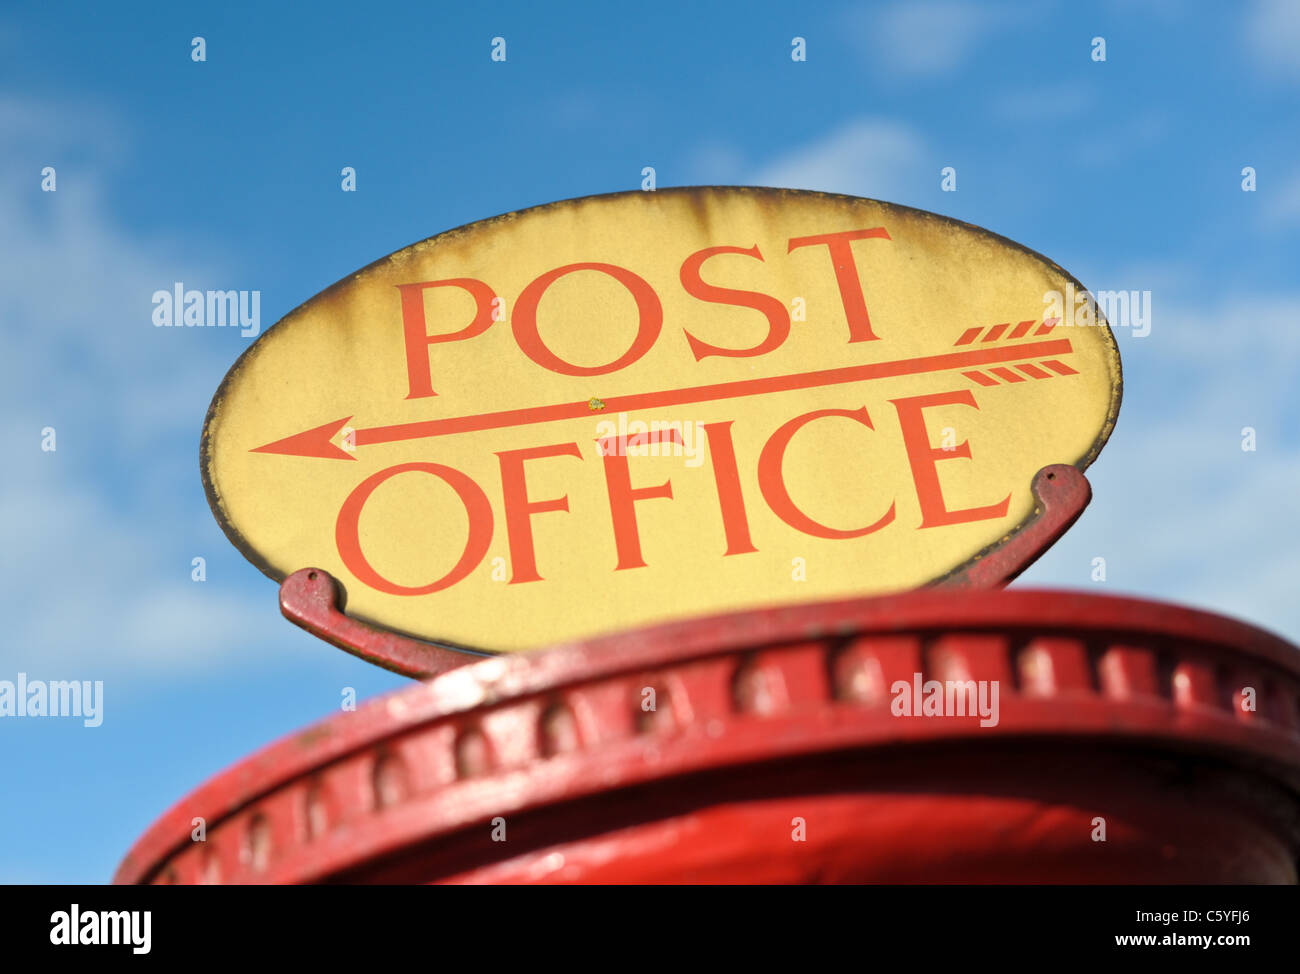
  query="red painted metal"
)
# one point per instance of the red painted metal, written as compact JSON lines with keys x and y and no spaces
{"x":1061,"y":492}
{"x":310,"y":596}
{"x":773,"y":754}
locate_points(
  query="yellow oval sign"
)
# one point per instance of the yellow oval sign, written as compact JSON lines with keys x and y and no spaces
{"x":618,"y":410}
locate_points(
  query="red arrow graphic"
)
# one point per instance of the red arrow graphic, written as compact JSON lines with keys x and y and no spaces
{"x":310,"y":443}
{"x":316,"y":442}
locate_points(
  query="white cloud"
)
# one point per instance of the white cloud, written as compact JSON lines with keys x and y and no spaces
{"x":1283,"y":208}
{"x":1180,"y":511}
{"x":922,"y":38}
{"x":98,"y":535}
{"x":1047,"y":102}
{"x":1271,"y":31}
{"x":875,"y":158}
{"x":714,"y":162}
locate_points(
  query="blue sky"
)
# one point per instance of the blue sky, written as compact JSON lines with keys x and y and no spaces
{"x":225,"y":174}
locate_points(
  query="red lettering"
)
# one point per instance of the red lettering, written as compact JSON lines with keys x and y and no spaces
{"x":519,"y":509}
{"x":840,"y":246}
{"x":623,"y":497}
{"x":650,"y":319}
{"x":778,"y":318}
{"x":923,"y":457}
{"x":722,"y":451}
{"x":772,"y":481}
{"x":415,"y":328}
{"x":347,"y":529}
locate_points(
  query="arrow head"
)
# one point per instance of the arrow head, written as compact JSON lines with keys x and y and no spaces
{"x":311,"y":443}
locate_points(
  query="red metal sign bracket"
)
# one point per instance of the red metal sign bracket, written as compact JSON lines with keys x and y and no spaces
{"x":1061,"y":492}
{"x":309,"y":598}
